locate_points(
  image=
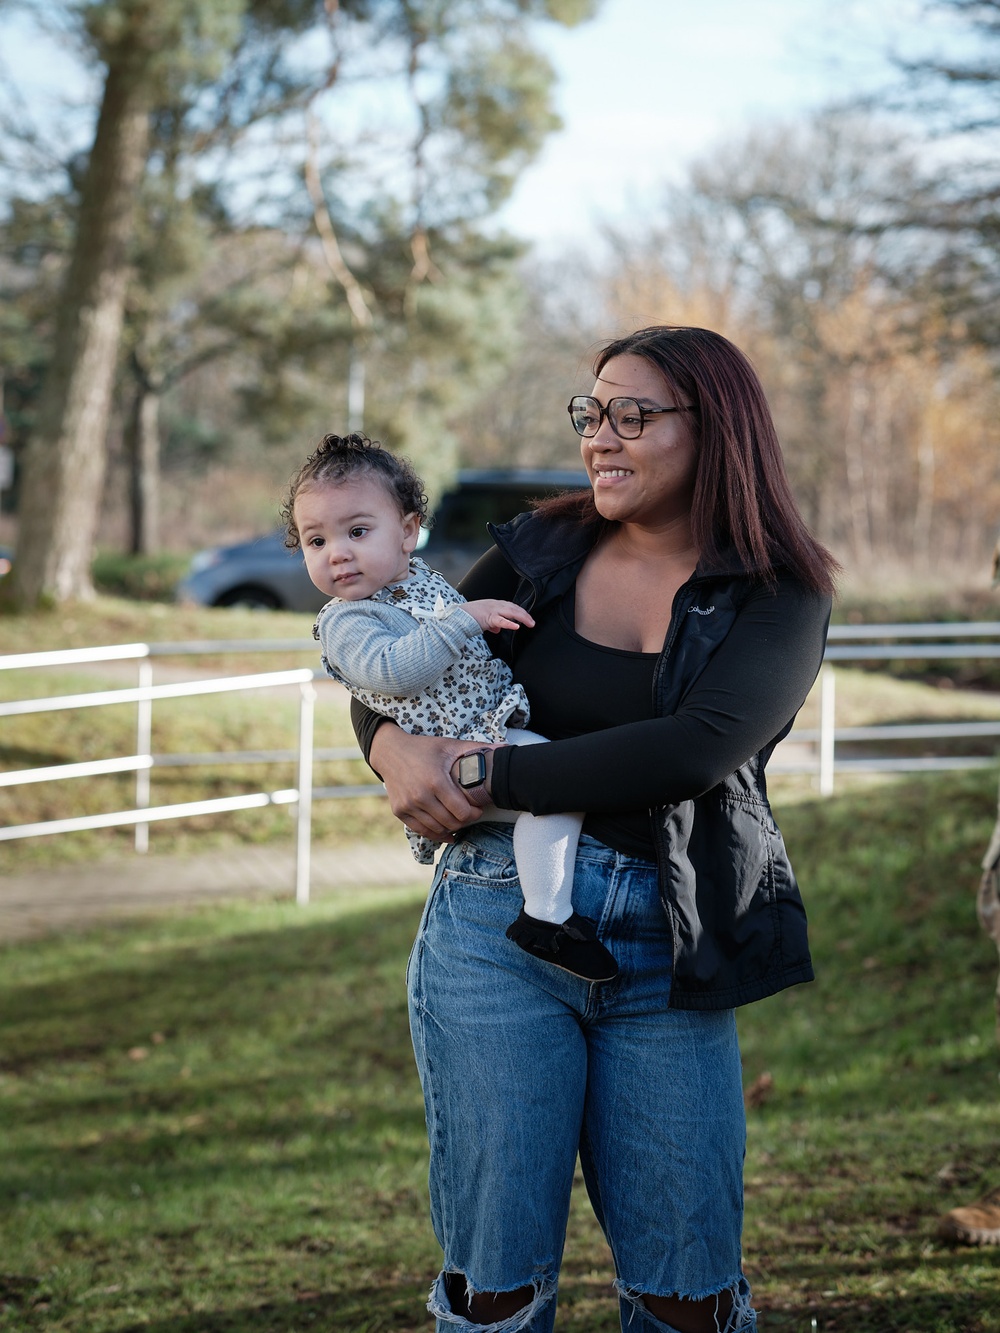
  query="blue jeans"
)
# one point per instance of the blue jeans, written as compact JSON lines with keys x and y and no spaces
{"x":523,"y":1065}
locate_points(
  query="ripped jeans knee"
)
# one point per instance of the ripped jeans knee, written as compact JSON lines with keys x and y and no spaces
{"x":543,"y":1289}
{"x":638,"y":1318}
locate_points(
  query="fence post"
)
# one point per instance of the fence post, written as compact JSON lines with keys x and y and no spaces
{"x":827,"y":727}
{"x":143,"y":745}
{"x":303,"y":817}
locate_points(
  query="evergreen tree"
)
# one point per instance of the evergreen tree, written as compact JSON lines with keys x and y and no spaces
{"x":479,"y":102}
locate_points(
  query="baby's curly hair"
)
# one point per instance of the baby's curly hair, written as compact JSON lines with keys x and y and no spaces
{"x":339,"y":457}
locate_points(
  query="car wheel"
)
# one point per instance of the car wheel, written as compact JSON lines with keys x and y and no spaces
{"x":249,"y":598}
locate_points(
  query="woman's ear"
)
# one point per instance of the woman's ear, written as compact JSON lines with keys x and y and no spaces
{"x":411,"y":531}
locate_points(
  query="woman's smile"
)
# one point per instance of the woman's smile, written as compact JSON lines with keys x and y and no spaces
{"x":604,"y":473}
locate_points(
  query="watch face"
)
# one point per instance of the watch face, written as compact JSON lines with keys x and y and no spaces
{"x":471,"y":770}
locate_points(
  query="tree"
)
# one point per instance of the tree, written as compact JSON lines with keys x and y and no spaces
{"x":948,"y":99}
{"x":34,"y":241}
{"x":480,"y":103}
{"x":886,"y":414}
{"x":432,"y":300}
{"x":137,"y":41}
{"x":522,"y":418}
{"x":63,"y":475}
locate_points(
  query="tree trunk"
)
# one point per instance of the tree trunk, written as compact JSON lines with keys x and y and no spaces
{"x":854,"y":452}
{"x":880,"y":471}
{"x":142,"y":448}
{"x":65,"y":461}
{"x":923,"y":510}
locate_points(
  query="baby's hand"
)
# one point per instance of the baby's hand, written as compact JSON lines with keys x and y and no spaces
{"x":495,"y":616}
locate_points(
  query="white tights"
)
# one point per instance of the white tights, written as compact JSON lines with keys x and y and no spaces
{"x":544,"y":849}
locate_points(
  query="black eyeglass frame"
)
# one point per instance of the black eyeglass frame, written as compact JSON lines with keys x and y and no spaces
{"x":603,"y":412}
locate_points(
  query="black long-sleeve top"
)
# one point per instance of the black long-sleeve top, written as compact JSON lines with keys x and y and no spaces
{"x":610,"y":756}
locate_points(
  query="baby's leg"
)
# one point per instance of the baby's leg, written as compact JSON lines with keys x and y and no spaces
{"x":547,"y":927}
{"x":545,"y":851}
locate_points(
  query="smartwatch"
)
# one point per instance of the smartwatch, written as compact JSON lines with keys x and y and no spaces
{"x":472,"y":777}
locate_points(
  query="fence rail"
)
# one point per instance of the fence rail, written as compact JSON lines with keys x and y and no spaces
{"x":846,"y":643}
{"x":144,"y":761}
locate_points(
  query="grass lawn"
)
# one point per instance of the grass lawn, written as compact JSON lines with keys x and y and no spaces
{"x":211,"y":1122}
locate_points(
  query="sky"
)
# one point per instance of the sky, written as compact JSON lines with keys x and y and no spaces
{"x":642,"y":90}
{"x":650,"y":84}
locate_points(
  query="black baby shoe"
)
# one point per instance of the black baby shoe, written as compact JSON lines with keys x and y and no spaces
{"x":572,"y":945}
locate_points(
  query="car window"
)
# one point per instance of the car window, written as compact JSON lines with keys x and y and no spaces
{"x":462,"y":516}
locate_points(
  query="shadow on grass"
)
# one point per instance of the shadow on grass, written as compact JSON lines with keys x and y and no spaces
{"x":396,"y":1309}
{"x":388,"y":1308}
{"x":872,"y":1273}
{"x":942,"y":1312}
{"x":250,"y":981}
{"x":167,"y":1071}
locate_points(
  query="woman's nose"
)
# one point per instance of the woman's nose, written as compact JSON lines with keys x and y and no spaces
{"x":605,"y":439}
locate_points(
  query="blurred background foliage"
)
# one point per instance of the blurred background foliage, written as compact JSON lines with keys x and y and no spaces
{"x":313,"y":249}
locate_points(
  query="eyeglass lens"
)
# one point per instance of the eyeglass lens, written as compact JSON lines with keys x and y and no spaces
{"x":624,"y":416}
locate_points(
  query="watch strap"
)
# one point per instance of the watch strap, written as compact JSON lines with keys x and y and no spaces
{"x":478,"y":795}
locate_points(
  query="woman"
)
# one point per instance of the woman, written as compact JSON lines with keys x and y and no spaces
{"x":680,"y":616}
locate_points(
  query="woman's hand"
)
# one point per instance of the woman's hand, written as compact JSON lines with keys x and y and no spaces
{"x":417,"y":774}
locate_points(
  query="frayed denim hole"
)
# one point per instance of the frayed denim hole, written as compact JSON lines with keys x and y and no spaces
{"x":742,"y":1317}
{"x":439,"y":1306}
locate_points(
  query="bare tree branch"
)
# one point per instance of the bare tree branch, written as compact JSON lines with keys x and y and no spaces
{"x":360,"y":310}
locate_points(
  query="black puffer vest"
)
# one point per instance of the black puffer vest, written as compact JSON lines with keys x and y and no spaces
{"x":727,"y":886}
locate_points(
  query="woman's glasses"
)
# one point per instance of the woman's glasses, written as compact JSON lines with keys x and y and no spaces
{"x":625,"y":416}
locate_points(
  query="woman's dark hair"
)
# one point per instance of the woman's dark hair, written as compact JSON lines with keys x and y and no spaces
{"x":742,"y":498}
{"x":339,"y":457}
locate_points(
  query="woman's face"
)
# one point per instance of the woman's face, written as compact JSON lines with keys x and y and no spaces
{"x":648,"y":481}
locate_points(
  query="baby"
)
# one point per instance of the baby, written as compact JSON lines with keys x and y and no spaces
{"x":407,"y":645}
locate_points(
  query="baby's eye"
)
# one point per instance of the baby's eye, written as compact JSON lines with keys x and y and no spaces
{"x":316,"y":543}
{"x":357,"y":532}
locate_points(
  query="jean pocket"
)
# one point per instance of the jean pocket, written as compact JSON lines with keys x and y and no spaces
{"x":488,"y":860}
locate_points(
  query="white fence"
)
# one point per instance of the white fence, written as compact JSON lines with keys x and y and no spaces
{"x":856,"y":643}
{"x":847,"y":643}
{"x":143,"y":761}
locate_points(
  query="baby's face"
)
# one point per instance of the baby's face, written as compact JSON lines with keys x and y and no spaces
{"x":353,"y":536}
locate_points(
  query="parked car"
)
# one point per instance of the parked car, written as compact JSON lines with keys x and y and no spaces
{"x":265,"y":575}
